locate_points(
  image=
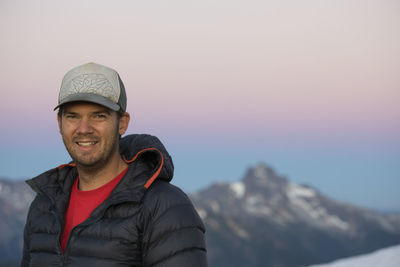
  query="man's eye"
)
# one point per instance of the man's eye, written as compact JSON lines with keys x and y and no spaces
{"x":70,"y":116}
{"x":100,"y":116}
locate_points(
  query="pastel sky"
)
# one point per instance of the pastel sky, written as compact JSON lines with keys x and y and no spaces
{"x":310,"y":87}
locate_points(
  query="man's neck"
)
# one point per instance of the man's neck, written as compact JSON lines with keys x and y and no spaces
{"x":92,"y":178}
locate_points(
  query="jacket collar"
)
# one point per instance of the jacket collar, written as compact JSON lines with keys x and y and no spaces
{"x":148,"y":160}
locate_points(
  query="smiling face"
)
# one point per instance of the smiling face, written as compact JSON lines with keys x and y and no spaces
{"x":90,"y":133}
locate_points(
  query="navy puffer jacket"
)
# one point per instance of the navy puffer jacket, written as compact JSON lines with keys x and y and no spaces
{"x":145,"y":221}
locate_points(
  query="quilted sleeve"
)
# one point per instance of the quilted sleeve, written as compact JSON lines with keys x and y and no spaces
{"x":174,"y":234}
{"x":25,"y":251}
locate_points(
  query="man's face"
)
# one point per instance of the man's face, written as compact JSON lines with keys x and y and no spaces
{"x":90,"y":133}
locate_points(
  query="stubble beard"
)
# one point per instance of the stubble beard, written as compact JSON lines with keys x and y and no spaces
{"x":94,"y":163}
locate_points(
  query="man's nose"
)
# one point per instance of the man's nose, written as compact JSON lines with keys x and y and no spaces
{"x":84,"y":126}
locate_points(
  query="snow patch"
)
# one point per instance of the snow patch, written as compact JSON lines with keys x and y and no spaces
{"x":387,"y":257}
{"x":255,"y":205}
{"x":254,"y":200}
{"x":215,"y":206}
{"x":302,"y":197}
{"x":239,"y":231}
{"x":238,"y":188}
{"x":202,"y":213}
{"x":295,"y":191}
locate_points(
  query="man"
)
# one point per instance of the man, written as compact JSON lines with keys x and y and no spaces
{"x":113,"y":204}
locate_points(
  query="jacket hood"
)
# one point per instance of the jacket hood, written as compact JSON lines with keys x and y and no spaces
{"x":132,"y":145}
{"x":146,"y":147}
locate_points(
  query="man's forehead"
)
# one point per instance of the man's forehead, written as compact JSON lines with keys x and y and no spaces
{"x":84,"y":107}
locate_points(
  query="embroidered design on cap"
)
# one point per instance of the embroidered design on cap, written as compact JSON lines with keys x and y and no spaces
{"x":94,"y":83}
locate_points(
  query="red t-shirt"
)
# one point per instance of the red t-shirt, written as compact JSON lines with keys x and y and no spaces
{"x":82,"y":203}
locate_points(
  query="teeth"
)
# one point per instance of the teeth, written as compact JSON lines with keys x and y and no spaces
{"x":86,"y":143}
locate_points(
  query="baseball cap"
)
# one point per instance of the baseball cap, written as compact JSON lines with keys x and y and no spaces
{"x":94,"y":83}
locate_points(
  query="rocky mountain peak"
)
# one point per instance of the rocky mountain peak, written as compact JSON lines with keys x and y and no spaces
{"x":266,"y":213}
{"x":263,"y":177}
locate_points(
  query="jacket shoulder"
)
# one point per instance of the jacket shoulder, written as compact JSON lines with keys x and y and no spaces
{"x":174,"y":232}
{"x":165,"y":194}
{"x":166,"y":202}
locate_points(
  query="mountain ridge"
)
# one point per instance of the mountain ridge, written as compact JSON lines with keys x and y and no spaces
{"x":296,"y":222}
{"x":263,"y":219}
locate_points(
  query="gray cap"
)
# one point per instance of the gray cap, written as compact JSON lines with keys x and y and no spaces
{"x":94,"y":83}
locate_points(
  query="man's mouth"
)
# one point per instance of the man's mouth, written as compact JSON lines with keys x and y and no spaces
{"x":86,"y":143}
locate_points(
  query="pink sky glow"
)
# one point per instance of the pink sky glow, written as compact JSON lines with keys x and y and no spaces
{"x":309,"y":73}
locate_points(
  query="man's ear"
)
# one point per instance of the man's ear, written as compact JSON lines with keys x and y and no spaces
{"x":59,"y":122}
{"x":124,"y":123}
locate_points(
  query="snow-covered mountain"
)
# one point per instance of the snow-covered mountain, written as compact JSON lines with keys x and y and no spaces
{"x":265,"y":220}
{"x":261,"y":220}
{"x":386,"y":257}
{"x":15,"y":197}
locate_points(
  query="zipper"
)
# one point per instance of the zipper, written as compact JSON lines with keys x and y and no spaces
{"x":87,"y":222}
{"x":66,"y":251}
{"x":60,"y":227}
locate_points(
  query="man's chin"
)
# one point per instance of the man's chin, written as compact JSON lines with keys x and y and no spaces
{"x":88,"y":164}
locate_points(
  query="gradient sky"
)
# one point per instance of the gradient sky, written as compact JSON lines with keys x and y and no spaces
{"x":311,"y":88}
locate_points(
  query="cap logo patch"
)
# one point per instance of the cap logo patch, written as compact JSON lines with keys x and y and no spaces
{"x":94,"y":83}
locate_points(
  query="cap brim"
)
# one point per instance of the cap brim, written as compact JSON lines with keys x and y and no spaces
{"x":87,"y":97}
